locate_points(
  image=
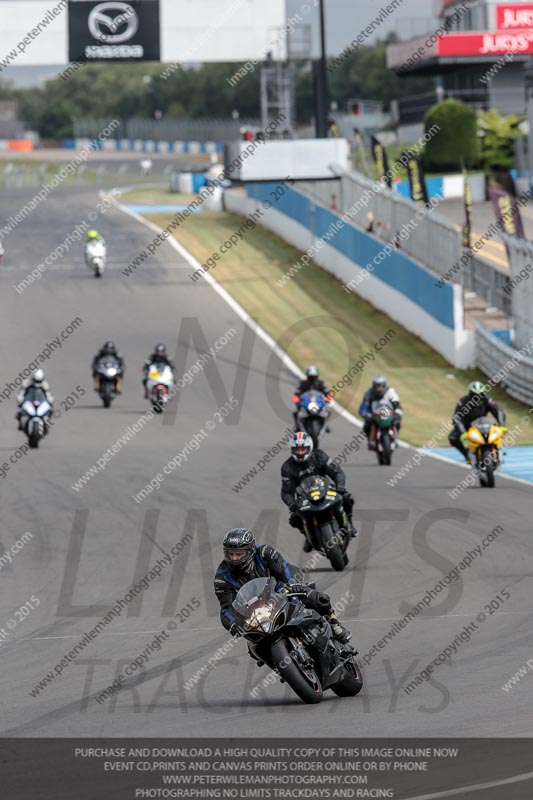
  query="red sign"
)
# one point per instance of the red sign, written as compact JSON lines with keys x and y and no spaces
{"x":485,"y":44}
{"x":517,"y":15}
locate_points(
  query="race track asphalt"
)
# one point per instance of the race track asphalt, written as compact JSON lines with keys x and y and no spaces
{"x":89,"y":545}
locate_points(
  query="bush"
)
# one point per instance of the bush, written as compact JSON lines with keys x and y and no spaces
{"x":498,"y":140}
{"x":456,"y":140}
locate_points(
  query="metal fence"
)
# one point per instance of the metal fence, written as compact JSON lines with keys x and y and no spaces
{"x":429,"y":238}
{"x":168,"y":130}
{"x":493,"y":355}
{"x":521,"y":287}
{"x":489,"y":282}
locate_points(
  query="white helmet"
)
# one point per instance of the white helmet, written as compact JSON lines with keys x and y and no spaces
{"x":38,"y":376}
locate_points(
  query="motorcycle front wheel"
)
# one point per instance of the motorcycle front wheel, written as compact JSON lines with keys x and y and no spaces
{"x":333,"y":551}
{"x":386,"y":450}
{"x":305,"y":684}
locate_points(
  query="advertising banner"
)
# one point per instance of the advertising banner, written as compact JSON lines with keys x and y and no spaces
{"x":114,"y":31}
{"x":379,"y":154}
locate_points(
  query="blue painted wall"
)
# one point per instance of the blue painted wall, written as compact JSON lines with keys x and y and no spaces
{"x":397,"y":270}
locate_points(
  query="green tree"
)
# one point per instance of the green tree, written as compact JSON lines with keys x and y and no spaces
{"x":456,"y":140}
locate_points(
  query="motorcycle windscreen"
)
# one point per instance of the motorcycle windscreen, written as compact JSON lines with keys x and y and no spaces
{"x":108,"y":366}
{"x":255,"y":593}
{"x":313,"y":399}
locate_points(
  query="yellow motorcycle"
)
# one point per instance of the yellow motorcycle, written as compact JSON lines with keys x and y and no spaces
{"x":484,"y":440}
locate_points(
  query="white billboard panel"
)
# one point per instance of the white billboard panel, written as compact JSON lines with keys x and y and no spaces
{"x":299,"y":159}
{"x":219,"y":30}
{"x":191,"y":31}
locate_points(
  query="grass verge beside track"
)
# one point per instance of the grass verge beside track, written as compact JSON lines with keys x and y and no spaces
{"x":428,"y":386}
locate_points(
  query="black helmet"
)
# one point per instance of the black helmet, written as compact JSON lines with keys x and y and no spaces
{"x":379,"y":385}
{"x":109,"y":347}
{"x":239,"y":548}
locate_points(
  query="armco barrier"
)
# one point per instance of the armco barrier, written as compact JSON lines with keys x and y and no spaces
{"x":492,"y":355}
{"x":395,"y":284}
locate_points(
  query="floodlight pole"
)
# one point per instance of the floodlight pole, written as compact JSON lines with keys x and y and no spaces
{"x":321,"y":82}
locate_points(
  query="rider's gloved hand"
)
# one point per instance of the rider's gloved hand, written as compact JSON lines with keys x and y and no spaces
{"x":300,"y":588}
{"x":464,"y":437}
{"x":293,"y":507}
{"x":234,"y":630}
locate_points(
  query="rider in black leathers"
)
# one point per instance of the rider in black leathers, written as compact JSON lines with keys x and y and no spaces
{"x":108,"y":349}
{"x":245,"y":560}
{"x":302,"y":463}
{"x":311,"y":382}
{"x":471,"y":406}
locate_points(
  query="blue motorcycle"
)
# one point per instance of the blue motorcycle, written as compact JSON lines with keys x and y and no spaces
{"x":312,"y":415}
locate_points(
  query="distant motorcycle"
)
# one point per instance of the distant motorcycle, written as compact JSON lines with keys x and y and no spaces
{"x":295,"y":641}
{"x":34,"y":417}
{"x":312,"y":415}
{"x":485,"y":442}
{"x":108,"y":371}
{"x":383,"y":431}
{"x":326,"y":525}
{"x":96,"y":257}
{"x":160,"y":380}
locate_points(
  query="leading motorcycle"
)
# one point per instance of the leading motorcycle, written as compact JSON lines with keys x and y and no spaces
{"x":108,"y":373}
{"x":485,"y":442}
{"x":312,"y":414}
{"x":34,"y":417}
{"x":160,"y":380}
{"x":96,"y":257}
{"x":294,"y":641}
{"x":326,"y":525}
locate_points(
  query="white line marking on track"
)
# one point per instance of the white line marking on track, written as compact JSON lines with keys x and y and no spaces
{"x":526,"y":776}
{"x":218,"y":628}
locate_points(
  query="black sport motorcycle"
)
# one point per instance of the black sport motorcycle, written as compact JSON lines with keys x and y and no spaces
{"x":326,"y":526}
{"x":295,"y":641}
{"x":108,"y":373}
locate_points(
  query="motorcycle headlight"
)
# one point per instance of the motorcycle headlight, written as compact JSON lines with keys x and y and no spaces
{"x":111,"y":371}
{"x":259,"y":615}
{"x":475,"y":436}
{"x":313,"y":408}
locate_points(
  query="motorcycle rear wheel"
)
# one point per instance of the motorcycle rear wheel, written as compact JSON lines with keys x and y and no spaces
{"x":313,"y":427}
{"x":290,"y":671}
{"x":352,"y":682}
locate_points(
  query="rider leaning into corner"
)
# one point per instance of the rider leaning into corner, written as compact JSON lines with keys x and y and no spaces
{"x":471,"y":406}
{"x":159,"y":356}
{"x":311,"y":382}
{"x":384,"y":393}
{"x":36,"y":381}
{"x":244,"y":560}
{"x":303,"y":462}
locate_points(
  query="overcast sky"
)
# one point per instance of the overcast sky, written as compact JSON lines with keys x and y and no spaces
{"x":345,"y":19}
